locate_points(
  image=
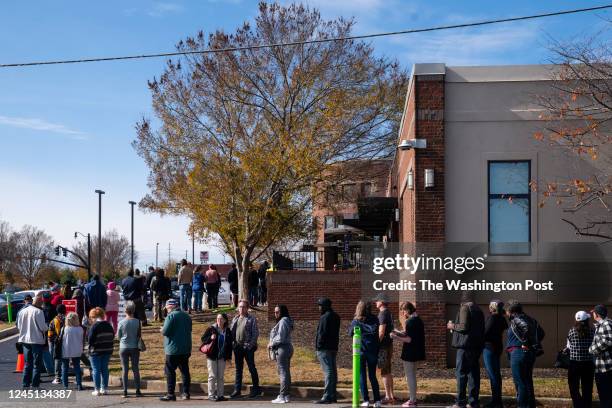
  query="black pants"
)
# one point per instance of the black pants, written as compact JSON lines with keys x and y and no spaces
{"x":604,"y":388}
{"x":140,"y":312}
{"x":467,"y":372}
{"x":182,"y":363}
{"x":248,"y":355}
{"x":212,"y":295}
{"x":580,"y":374}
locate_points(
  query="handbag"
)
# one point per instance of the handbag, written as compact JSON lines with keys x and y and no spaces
{"x":141,"y":344}
{"x":208,"y":348}
{"x":563,"y":359}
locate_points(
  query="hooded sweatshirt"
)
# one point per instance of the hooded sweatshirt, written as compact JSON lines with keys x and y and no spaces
{"x":280,"y":335}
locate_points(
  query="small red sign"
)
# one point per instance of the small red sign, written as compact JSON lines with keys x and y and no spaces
{"x":71,"y":305}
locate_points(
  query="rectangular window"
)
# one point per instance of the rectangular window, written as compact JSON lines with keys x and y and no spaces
{"x":330,"y":222}
{"x":349,"y":191}
{"x":367,"y":189}
{"x":509,"y":207}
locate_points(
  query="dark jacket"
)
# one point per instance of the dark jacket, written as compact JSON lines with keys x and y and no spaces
{"x":253,"y":280}
{"x":95,"y":294}
{"x":160,"y":285}
{"x":49,"y":312}
{"x":232,"y":279}
{"x":100,"y":338}
{"x":261,"y":274}
{"x":177,"y":333}
{"x":150,"y":276}
{"x":132,"y":288}
{"x":469,"y":328}
{"x":369,"y":334}
{"x":224,"y":352}
{"x":252,"y":332}
{"x":415,"y":350}
{"x":328,"y":331}
{"x":524,"y":331}
{"x":494,"y":331}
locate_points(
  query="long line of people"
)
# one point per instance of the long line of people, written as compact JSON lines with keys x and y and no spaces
{"x":64,"y":336}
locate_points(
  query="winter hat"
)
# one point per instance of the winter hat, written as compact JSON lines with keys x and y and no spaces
{"x":111,"y":285}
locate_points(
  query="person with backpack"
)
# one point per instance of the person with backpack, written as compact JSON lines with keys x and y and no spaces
{"x":213,"y":283}
{"x":280,"y":348}
{"x":160,"y":286}
{"x":493,"y":347}
{"x":197,"y":285}
{"x":601,"y":349}
{"x":326,"y":345}
{"x":95,"y":294}
{"x":523,"y":345}
{"x":72,"y":339}
{"x":468,"y":338}
{"x":370,"y":344}
{"x":55,"y":345}
{"x":581,"y":366}
{"x":219,"y":339}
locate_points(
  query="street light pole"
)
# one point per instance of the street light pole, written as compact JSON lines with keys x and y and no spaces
{"x":99,"y":267}
{"x":193,"y":248}
{"x":132,"y":205}
{"x":156,"y":254}
{"x":88,"y":252}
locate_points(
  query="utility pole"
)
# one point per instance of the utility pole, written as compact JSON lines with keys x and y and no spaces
{"x":156,"y":254}
{"x":168,"y":254}
{"x":132,"y":246}
{"x":193,"y":248}
{"x":99,"y":268}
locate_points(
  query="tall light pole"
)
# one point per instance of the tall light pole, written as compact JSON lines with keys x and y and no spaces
{"x":132,"y":203}
{"x":156,"y":254}
{"x":99,"y":267}
{"x":88,"y":252}
{"x":193,"y":248}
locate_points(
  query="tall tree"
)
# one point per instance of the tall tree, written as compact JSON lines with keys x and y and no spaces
{"x":8,"y":247}
{"x":578,"y":116}
{"x":116,"y":254}
{"x":33,"y":245}
{"x":246,"y":134}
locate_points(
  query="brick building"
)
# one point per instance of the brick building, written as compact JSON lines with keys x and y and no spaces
{"x":478,"y":125}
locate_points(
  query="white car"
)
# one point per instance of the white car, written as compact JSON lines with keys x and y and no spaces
{"x":224,"y":294}
{"x":32,"y":292}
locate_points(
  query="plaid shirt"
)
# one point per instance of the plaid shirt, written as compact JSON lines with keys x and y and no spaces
{"x":601,"y":347}
{"x":579,"y":346}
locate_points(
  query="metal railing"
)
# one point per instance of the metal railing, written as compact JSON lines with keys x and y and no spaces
{"x":317,"y":260}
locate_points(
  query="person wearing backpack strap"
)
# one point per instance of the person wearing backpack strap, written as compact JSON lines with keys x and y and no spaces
{"x":521,"y":345}
{"x":55,"y":344}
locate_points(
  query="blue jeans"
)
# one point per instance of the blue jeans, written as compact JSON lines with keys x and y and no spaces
{"x":47,"y":361}
{"x":467,"y":371}
{"x":369,"y":361}
{"x":32,"y":355}
{"x":327,"y":359}
{"x":76,"y":365}
{"x":185,"y":298}
{"x":491,"y":363}
{"x":99,"y":366}
{"x":521,"y":364}
{"x":57,"y":363}
{"x":197,"y":300}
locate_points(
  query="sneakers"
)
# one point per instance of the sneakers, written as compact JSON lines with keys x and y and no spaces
{"x":56,"y":381}
{"x":280,"y":400}
{"x":95,"y":393}
{"x":365,"y":404}
{"x":103,"y":391}
{"x":185,"y":397}
{"x":377,"y":404}
{"x":168,"y":397}
{"x":125,"y":394}
{"x":221,"y":398}
{"x":410,"y":403}
{"x":235,"y":394}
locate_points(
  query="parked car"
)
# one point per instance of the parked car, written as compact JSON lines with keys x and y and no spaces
{"x":32,"y":292}
{"x":17,"y":302}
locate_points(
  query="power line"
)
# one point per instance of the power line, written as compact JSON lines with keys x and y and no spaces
{"x":317,"y":41}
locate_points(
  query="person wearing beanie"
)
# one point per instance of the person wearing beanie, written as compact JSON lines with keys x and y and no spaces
{"x":581,"y":366}
{"x":326,"y":345}
{"x":112,"y":305}
{"x":601,"y":348}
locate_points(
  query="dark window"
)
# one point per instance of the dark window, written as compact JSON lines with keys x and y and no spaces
{"x":509,"y":207}
{"x":367,"y":189}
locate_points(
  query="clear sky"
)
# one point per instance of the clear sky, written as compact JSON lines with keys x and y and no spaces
{"x":66,"y":130}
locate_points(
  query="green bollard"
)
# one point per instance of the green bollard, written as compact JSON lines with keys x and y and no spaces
{"x":9,"y":307}
{"x":356,"y":365}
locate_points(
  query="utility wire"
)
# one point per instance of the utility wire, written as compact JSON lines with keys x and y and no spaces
{"x":317,"y":41}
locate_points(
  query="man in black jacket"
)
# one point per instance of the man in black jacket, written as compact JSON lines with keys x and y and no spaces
{"x":468,"y":338}
{"x":326,"y":344}
{"x":132,"y":290}
{"x":232,"y":279}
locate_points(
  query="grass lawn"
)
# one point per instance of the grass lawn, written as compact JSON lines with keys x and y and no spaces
{"x":305,"y":367}
{"x":6,"y":325}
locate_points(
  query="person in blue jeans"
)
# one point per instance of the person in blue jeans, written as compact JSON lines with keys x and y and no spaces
{"x":326,"y":344}
{"x":197,"y":286}
{"x":494,"y":330}
{"x":100,"y":338}
{"x":32,"y":329}
{"x":368,"y":323}
{"x":72,"y":336}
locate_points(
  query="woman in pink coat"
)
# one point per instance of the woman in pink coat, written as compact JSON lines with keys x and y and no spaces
{"x":112,"y":305}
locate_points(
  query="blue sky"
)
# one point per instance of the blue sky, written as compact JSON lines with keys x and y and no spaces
{"x":66,"y":130}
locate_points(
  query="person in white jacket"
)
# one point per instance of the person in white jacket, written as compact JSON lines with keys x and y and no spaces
{"x":32,"y":329}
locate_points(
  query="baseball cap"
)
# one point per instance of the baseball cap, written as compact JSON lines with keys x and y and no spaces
{"x":582,"y":316}
{"x":171,"y":302}
{"x":600,"y":310}
{"x":325,"y":302}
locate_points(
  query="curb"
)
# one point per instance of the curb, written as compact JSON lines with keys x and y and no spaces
{"x":314,"y":393}
{"x":8,"y":332}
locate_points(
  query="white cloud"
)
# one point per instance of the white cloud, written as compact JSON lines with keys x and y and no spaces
{"x":161,"y":9}
{"x":42,"y":125}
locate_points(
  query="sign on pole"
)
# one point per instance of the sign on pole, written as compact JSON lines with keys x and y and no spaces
{"x":203,"y":257}
{"x":71,"y":305}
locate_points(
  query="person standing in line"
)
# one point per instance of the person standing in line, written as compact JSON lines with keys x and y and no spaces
{"x":413,"y":347}
{"x":56,"y":296}
{"x":281,"y":348}
{"x":129,"y":334}
{"x":141,"y":313}
{"x":49,"y":312}
{"x":67,"y":291}
{"x":112,"y":305}
{"x":253,"y":283}
{"x":601,"y":349}
{"x":521,"y":343}
{"x":32,"y":327}
{"x":220,"y":335}
{"x":197,"y":285}
{"x":468,"y":339}
{"x":262,"y":285}
{"x":245,"y":333}
{"x":370,"y":345}
{"x":495,"y":326}
{"x":177,"y":347}
{"x":161,"y":289}
{"x":232,"y":279}
{"x":100,"y":339}
{"x":133,"y":288}
{"x":326,"y":345}
{"x":148,"y":291}
{"x":581,"y":367}
{"x":184,"y":278}
{"x":72,"y":338}
{"x":385,"y":328}
{"x":213,"y":283}
{"x":95,"y":294}
{"x":53,"y":334}
{"x":80,"y":303}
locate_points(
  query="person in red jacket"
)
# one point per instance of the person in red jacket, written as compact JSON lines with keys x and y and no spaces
{"x":56,"y":296}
